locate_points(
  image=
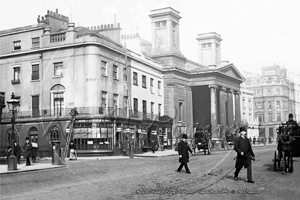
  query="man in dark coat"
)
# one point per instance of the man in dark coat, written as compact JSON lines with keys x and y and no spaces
{"x":292,"y":122}
{"x":17,"y":151}
{"x":27,"y":150}
{"x":153,"y":145}
{"x":244,"y":155}
{"x":183,"y":151}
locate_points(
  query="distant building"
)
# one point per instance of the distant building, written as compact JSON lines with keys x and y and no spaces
{"x":274,"y":98}
{"x":247,"y":112}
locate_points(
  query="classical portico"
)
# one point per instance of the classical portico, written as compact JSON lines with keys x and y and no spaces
{"x":216,"y":99}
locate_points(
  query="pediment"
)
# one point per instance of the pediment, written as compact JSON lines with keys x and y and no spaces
{"x":232,"y":71}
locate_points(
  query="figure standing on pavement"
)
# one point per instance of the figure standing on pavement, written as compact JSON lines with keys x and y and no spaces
{"x":34,"y":149}
{"x":183,"y":151}
{"x":27,"y":147}
{"x":17,"y":151}
{"x":153,"y":145}
{"x":73,"y":153}
{"x":244,"y":155}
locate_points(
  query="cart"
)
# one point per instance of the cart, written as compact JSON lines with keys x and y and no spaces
{"x":203,"y":141}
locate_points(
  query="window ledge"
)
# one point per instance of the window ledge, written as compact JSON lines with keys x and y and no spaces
{"x":104,"y":76}
{"x":15,"y":82}
{"x":58,"y":76}
{"x":35,"y":47}
{"x":37,"y":80}
{"x":116,"y":79}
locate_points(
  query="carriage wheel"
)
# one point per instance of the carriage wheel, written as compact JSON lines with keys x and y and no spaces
{"x":274,"y":161}
{"x":209,"y":147}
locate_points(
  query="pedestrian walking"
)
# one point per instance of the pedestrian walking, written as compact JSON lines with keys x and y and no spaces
{"x":183,"y":151}
{"x":254,"y":140}
{"x":73,"y":153}
{"x":27,"y":147}
{"x":34,"y":149}
{"x":244,"y":155}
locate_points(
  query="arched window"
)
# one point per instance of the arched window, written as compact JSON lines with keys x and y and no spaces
{"x":54,"y":134}
{"x":57,"y":100}
{"x":10,"y":136}
{"x":33,"y":134}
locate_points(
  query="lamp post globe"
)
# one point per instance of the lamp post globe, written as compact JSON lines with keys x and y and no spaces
{"x":13,"y":104}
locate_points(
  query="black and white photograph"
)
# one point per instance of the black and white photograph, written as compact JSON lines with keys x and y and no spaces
{"x":149,"y":99}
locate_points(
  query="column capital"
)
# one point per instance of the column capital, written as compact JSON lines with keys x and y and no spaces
{"x":213,"y":86}
{"x":238,"y":92}
{"x":224,"y":89}
{"x":231,"y":91}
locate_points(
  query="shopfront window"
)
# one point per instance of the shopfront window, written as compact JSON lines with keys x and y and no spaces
{"x":93,"y":136}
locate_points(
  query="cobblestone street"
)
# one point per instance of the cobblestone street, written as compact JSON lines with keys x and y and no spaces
{"x":139,"y":178}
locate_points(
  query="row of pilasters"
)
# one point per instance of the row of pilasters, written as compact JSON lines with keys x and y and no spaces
{"x":225,"y":110}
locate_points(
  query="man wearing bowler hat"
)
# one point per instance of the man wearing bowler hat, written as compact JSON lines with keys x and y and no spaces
{"x":244,"y":155}
{"x":183,"y":151}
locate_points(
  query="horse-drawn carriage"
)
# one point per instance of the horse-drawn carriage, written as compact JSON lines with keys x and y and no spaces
{"x":203,"y":140}
{"x":288,"y":146}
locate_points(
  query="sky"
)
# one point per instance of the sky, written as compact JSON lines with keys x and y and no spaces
{"x":255,"y":33}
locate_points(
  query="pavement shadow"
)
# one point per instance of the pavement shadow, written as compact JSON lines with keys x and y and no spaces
{"x":270,"y":167}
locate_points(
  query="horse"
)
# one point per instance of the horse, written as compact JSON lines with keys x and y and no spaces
{"x":285,"y":149}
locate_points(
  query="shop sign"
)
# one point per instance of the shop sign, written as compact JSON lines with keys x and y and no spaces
{"x":90,"y":142}
{"x":119,"y":129}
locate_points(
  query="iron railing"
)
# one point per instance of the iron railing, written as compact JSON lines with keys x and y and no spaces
{"x":83,"y":112}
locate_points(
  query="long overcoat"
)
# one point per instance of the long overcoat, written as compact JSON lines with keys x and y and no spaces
{"x":183,"y":150}
{"x":27,"y":149}
{"x":243,"y":145}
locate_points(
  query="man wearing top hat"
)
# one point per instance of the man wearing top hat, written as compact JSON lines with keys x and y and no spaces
{"x":244,"y":155}
{"x":27,"y":150}
{"x":183,"y":151}
{"x":292,"y":122}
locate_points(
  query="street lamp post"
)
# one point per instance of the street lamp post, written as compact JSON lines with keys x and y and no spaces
{"x":13,"y":103}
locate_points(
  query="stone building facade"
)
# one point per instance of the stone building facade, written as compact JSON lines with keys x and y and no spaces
{"x":275,"y":97}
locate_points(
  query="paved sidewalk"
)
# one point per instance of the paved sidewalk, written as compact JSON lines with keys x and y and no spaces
{"x":33,"y":167}
{"x":45,"y":163}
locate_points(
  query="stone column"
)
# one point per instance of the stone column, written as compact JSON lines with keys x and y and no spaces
{"x":237,"y":108}
{"x":222,"y":112}
{"x":230,"y":111}
{"x":213,"y":112}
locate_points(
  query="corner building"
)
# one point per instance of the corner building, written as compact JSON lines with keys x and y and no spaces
{"x":53,"y":67}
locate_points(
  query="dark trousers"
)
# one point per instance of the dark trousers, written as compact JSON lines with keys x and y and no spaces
{"x":249,"y":172}
{"x":185,"y":166}
{"x":28,"y":160}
